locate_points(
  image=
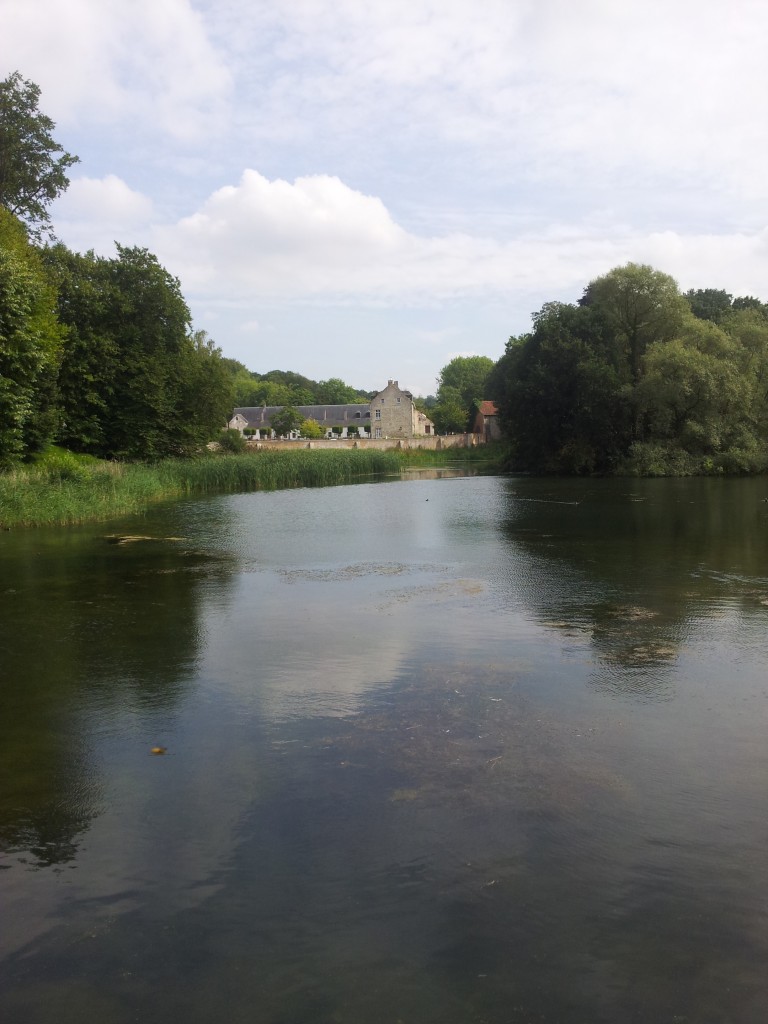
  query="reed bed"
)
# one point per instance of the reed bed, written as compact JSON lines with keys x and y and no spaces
{"x":64,"y":489}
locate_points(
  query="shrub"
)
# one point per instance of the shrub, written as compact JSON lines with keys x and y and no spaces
{"x":232,"y":441}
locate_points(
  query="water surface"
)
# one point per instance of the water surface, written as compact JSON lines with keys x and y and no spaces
{"x":437,"y":750}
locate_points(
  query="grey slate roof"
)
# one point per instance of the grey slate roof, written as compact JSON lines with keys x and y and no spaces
{"x":326,"y":415}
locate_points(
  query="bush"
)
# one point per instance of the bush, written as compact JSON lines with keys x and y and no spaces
{"x":232,"y":441}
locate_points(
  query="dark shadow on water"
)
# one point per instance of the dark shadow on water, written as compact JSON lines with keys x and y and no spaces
{"x":90,"y":630}
{"x":632,"y":563}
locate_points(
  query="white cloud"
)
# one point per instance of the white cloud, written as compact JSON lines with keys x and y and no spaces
{"x":106,"y":199}
{"x":541,"y":90}
{"x":440,"y":162}
{"x":147,"y":63}
{"x":316,"y":239}
{"x":94,"y":212}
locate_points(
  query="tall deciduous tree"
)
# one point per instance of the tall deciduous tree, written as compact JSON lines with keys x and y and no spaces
{"x":640,"y":305}
{"x":134,"y":382}
{"x":33,"y":166}
{"x":709,"y":303}
{"x":286,"y":421}
{"x":561,"y":393}
{"x":30,"y":342}
{"x":461,"y":384}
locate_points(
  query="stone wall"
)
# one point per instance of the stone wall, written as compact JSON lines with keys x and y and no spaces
{"x":428,"y":443}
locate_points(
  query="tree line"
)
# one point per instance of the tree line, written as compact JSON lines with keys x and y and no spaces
{"x":637,"y":377}
{"x":98,"y":354}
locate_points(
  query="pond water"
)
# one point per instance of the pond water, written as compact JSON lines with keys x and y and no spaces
{"x":437,"y":751}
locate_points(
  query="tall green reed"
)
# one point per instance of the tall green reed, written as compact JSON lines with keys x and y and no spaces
{"x":65,"y":489}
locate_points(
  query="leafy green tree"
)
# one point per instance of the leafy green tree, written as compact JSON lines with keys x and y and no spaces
{"x":700,"y":402}
{"x":562,"y":393}
{"x":33,"y":166}
{"x":149,"y":319}
{"x":750,"y":302}
{"x":639,"y":305}
{"x":30,"y":344}
{"x":468,"y":375}
{"x":205,"y":390}
{"x":134,"y":382}
{"x":311,"y":429}
{"x":335,"y":392}
{"x":91,"y":352}
{"x":461,"y":384}
{"x":450,"y":415}
{"x":709,"y":303}
{"x":286,"y":421}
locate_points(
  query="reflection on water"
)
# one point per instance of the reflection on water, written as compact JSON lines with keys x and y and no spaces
{"x":450,"y":750}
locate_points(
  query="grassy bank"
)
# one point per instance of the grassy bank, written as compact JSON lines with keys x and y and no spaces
{"x":63,"y":488}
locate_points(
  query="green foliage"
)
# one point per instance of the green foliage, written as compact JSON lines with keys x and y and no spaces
{"x":232,"y":441}
{"x":561,"y":393}
{"x":286,"y":421}
{"x":335,"y":392}
{"x":283,"y":387}
{"x":709,"y":303}
{"x":450,"y":415}
{"x":311,"y":429}
{"x":204,"y":398}
{"x":640,"y":305}
{"x":30,"y":343}
{"x":461,"y":384}
{"x":631,"y":381}
{"x":133,"y":382}
{"x":42,"y":494}
{"x":33,"y":165}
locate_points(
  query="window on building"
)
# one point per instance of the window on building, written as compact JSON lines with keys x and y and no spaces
{"x":398,"y":401}
{"x":378,"y":414}
{"x":377,"y":432}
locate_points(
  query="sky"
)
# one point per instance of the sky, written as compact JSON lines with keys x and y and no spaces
{"x":366,"y":189}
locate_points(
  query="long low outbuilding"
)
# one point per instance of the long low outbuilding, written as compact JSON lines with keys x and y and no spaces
{"x":390,"y":413}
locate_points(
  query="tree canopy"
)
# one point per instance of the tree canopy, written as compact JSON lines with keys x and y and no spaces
{"x":135,"y":382}
{"x":637,"y":378}
{"x":33,"y":166}
{"x":31,"y":339}
{"x":286,"y":421}
{"x":461,"y":385}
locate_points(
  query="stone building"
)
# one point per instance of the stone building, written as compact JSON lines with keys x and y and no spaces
{"x":391,"y":413}
{"x":487,"y":421}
